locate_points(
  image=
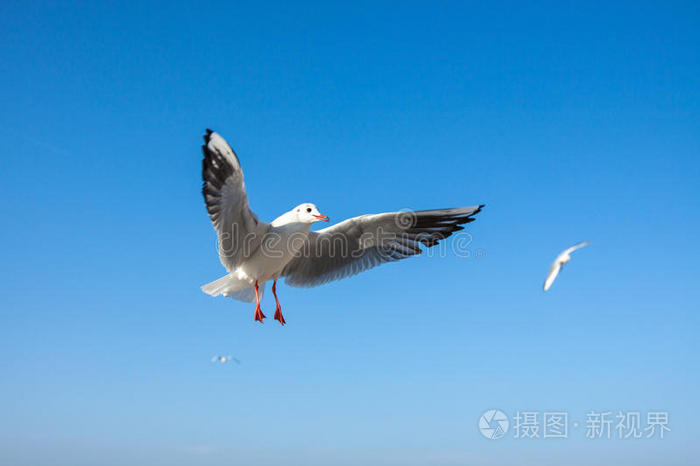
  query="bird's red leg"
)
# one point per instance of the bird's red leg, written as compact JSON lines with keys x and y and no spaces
{"x":259,"y":316}
{"x":278,"y":312}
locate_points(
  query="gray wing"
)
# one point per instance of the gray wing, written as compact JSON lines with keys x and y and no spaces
{"x":360,"y":243}
{"x":238,"y":228}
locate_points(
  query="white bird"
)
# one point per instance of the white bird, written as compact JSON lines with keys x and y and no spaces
{"x":559,"y":262}
{"x":254,"y":252}
{"x":225,"y":359}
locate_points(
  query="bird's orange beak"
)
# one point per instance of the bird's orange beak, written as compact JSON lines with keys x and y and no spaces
{"x":321,"y":217}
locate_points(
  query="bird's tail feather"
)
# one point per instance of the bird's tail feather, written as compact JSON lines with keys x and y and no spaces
{"x":233,"y":287}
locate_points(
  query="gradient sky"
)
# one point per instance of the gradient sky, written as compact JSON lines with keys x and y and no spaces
{"x":571,"y":121}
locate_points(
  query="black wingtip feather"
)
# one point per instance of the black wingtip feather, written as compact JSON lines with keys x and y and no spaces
{"x":432,"y":226}
{"x":207,"y":136}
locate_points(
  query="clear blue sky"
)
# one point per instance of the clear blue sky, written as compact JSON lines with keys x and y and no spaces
{"x":569,"y":121}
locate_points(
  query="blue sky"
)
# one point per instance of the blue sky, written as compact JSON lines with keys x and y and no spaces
{"x":569,"y":121}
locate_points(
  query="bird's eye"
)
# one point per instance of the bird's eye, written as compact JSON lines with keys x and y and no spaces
{"x":309,"y":210}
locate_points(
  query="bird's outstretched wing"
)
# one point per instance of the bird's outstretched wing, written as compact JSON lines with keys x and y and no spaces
{"x":360,"y":243}
{"x":552,"y":275}
{"x":575,"y":247}
{"x":238,"y":228}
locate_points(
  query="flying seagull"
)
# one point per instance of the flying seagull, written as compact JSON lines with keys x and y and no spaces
{"x":225,"y":359}
{"x":255,"y":252}
{"x":559,"y":262}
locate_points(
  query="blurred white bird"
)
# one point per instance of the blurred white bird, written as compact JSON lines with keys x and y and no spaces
{"x":225,"y":359}
{"x":559,"y":262}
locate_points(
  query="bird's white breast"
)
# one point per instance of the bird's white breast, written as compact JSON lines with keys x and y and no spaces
{"x":278,"y":247}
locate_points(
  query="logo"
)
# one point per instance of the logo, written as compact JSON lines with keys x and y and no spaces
{"x":493,"y":424}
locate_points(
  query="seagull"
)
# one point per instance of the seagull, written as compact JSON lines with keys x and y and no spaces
{"x":559,"y":262}
{"x":255,"y":252}
{"x":225,"y":359}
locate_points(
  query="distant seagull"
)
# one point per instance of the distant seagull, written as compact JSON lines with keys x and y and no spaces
{"x":225,"y":359}
{"x":559,"y":262}
{"x":255,"y":252}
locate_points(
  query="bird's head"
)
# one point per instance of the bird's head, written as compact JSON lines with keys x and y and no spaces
{"x":308,"y":213}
